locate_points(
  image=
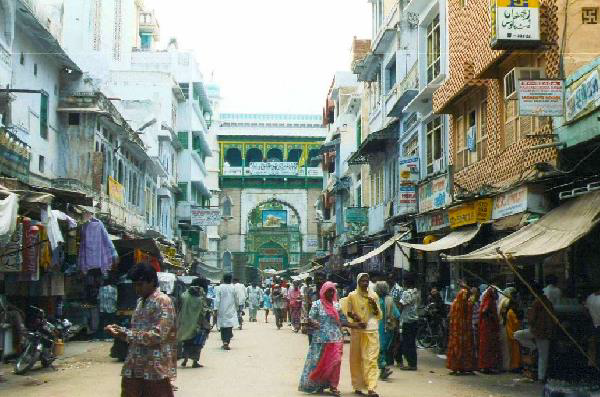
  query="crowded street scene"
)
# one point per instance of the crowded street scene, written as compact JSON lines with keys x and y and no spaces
{"x":280,"y":198}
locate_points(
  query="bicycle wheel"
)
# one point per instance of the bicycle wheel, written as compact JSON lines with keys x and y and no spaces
{"x":425,"y":338}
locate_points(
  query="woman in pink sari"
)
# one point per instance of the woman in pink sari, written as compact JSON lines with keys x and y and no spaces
{"x":324,"y":359}
{"x":295,"y":304}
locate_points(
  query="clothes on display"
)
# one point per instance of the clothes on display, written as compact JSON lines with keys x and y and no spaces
{"x":140,"y":256}
{"x":9,"y":208}
{"x":96,"y":250}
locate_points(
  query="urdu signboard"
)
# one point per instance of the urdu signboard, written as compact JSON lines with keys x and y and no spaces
{"x":272,"y":168}
{"x":514,"y":23}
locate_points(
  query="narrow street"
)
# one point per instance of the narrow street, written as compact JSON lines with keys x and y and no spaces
{"x":262,"y":362}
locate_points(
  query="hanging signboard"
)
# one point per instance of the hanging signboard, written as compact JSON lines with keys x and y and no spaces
{"x":515,"y":23}
{"x":407,"y":200}
{"x":409,"y":170}
{"x":583,"y":96}
{"x":519,"y":200}
{"x":432,"y":222}
{"x":434,"y":194}
{"x":205,"y":216}
{"x":470,"y":213}
{"x":541,"y":98}
{"x":357,"y":221}
{"x":116,"y":191}
{"x":273,"y":168}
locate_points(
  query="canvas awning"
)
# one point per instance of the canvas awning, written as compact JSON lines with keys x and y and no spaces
{"x":454,"y":239}
{"x":377,"y":250}
{"x":555,"y":231}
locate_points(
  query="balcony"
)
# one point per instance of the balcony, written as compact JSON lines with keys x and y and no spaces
{"x":387,"y":32}
{"x":14,"y":155}
{"x":403,"y":92}
{"x":368,"y":68}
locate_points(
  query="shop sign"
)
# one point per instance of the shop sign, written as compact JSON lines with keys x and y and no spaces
{"x":409,"y":170}
{"x":272,"y":168}
{"x":517,"y":201}
{"x":514,"y":22}
{"x":541,"y":98}
{"x":583,"y":96}
{"x":205,"y":216}
{"x":312,"y":243}
{"x":357,"y":221}
{"x":470,"y":213}
{"x":434,"y":194}
{"x":407,"y":200}
{"x":432,"y":222}
{"x":116,"y":191}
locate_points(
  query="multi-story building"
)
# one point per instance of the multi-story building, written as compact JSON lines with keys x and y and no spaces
{"x":269,"y":181}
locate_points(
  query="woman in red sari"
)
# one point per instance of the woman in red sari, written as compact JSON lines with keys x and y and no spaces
{"x":460,"y":343}
{"x":490,"y":357}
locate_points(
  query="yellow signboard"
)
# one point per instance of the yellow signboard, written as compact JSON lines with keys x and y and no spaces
{"x":471,"y":213}
{"x":116,"y":191}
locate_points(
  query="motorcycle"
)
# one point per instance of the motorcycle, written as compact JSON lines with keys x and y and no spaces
{"x":39,"y":343}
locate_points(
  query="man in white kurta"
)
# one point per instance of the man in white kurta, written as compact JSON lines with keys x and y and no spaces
{"x":226,"y":308}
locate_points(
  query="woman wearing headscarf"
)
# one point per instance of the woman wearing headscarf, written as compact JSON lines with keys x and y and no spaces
{"x":324,"y":359}
{"x":295,"y":304}
{"x":508,"y":317}
{"x":508,"y":295}
{"x":489,"y":342}
{"x":193,"y":322}
{"x":460,"y":356}
{"x":363,"y":309}
{"x":387,"y":326}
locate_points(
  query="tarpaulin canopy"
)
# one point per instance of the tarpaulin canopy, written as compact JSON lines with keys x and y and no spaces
{"x":376,"y":251}
{"x":555,"y":231}
{"x":454,"y":239}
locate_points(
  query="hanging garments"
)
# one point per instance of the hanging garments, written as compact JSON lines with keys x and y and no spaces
{"x":45,"y":257}
{"x":96,"y":250}
{"x":9,"y":207}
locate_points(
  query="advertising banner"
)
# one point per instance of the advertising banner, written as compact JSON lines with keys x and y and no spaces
{"x":583,"y":96}
{"x":409,"y":170}
{"x":116,"y":191}
{"x":470,"y":213}
{"x":205,"y":216}
{"x":515,"y":21}
{"x":541,"y":98}
{"x":274,"y":218}
{"x":273,"y":168}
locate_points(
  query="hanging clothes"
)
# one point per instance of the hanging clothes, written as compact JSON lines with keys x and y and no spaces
{"x":96,"y":250}
{"x":140,"y":256}
{"x":31,"y":252}
{"x":11,"y":253}
{"x":9,"y":207}
{"x":45,"y":257}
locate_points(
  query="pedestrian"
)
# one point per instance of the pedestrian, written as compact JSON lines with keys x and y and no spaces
{"x":512,"y":324}
{"x":409,"y":320}
{"x":107,"y":305}
{"x":295,"y":304}
{"x":460,"y":357}
{"x":552,"y":291}
{"x":475,"y":299}
{"x":396,"y":293}
{"x":226,"y":309}
{"x":324,"y":359}
{"x":363,"y":308}
{"x":278,"y":305}
{"x":508,"y":295}
{"x":193,"y":325}
{"x":240,"y":290}
{"x":254,"y":298}
{"x":150,"y":365}
{"x":541,"y":330}
{"x":387,"y":326}
{"x":592,"y":304}
{"x":313,"y":296}
{"x":489,"y":328}
{"x":286,"y":304}
{"x":267,"y":305}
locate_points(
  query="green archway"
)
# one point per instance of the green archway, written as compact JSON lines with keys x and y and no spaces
{"x":271,"y":256}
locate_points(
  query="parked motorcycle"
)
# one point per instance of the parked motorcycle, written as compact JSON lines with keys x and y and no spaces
{"x":38,"y":344}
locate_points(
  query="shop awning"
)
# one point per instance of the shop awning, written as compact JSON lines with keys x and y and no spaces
{"x":377,"y":250}
{"x":555,"y":231}
{"x":454,"y":239}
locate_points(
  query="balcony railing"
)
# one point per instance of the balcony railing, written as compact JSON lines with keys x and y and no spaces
{"x":403,"y":92}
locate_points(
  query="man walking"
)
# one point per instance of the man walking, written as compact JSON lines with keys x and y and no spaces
{"x":226,"y":309}
{"x":193,"y":325}
{"x":107,"y":303}
{"x":240,"y":290}
{"x":151,"y":361}
{"x":278,"y":305}
{"x":254,"y":297}
{"x":409,"y":322}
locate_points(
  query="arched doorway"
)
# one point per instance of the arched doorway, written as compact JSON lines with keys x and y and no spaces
{"x":272,"y":256}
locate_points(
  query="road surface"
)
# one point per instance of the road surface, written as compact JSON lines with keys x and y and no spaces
{"x":263,"y":362}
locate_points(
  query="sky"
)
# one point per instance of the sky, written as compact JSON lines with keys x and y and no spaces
{"x":268,"y":56}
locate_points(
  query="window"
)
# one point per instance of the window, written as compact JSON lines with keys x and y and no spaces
{"x":227,"y":207}
{"x":433,"y":49}
{"x":41,"y":164}
{"x":434,"y":145}
{"x":411,"y":148}
{"x":44,"y":115}
{"x":390,"y":75}
{"x":146,"y":41}
{"x":22,"y":59}
{"x":35,"y":69}
{"x":358,"y":197}
{"x":518,"y":127}
{"x":358,"y":131}
{"x":74,"y":118}
{"x":182,"y":195}
{"x":482,"y":137}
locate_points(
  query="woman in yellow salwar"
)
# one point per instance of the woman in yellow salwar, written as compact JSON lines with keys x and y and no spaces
{"x":363,"y":308}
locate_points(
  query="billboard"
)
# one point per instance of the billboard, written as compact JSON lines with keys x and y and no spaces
{"x":205,"y":216}
{"x":541,"y":98}
{"x":274,"y":218}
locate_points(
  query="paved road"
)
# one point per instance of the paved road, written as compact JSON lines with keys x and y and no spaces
{"x":263,"y":362}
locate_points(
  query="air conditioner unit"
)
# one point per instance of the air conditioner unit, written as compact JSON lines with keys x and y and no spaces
{"x":438,"y":165}
{"x":511,"y":79}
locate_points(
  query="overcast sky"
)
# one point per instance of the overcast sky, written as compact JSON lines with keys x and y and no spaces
{"x":267,"y":55}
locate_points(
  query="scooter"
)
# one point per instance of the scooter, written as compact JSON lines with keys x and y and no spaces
{"x":38,"y":344}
